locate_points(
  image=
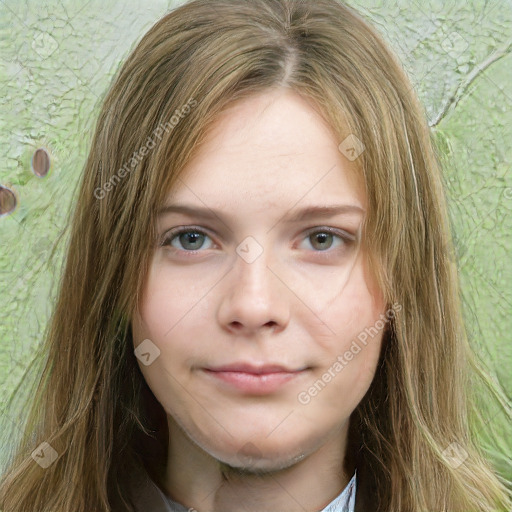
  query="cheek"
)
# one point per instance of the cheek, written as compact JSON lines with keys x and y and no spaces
{"x":337,"y":388}
{"x":355,"y":314}
{"x":352,"y":351}
{"x":167,"y":299}
{"x":156,"y":320}
{"x":172,"y":314}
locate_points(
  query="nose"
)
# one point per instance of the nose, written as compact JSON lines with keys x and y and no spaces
{"x":254,"y":298}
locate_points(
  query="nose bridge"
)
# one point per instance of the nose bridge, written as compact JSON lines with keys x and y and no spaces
{"x":251,"y":270}
{"x":255,"y":295}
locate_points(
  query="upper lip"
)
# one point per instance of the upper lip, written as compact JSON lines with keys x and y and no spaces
{"x":252,"y":368}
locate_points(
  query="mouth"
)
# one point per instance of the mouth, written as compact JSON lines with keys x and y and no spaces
{"x":254,"y":379}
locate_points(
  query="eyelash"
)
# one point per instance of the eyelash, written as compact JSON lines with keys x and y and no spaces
{"x":347,"y":238}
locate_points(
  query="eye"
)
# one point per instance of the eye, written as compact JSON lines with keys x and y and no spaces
{"x":188,"y":239}
{"x":322,"y":239}
{"x":192,"y":239}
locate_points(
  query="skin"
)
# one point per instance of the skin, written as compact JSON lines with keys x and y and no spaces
{"x":301,"y":303}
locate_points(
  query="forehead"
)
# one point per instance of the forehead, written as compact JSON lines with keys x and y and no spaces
{"x":273,"y":147}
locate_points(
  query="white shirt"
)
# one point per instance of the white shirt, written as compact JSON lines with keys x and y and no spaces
{"x":149,"y":498}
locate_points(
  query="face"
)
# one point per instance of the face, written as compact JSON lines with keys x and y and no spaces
{"x":259,"y":319}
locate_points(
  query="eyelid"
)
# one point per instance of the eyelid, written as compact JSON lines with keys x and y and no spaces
{"x":342,"y":233}
{"x":171,"y":233}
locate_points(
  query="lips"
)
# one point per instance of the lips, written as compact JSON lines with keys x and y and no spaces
{"x":254,"y":369}
{"x":253,"y":379}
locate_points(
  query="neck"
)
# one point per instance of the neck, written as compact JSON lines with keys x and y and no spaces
{"x":309,"y":482}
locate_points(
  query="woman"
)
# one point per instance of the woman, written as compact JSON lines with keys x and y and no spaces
{"x":208,"y":349}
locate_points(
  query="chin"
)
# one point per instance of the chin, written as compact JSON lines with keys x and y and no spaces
{"x":259,"y":455}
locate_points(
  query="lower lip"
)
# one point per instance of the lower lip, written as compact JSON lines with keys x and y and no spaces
{"x":252,"y":383}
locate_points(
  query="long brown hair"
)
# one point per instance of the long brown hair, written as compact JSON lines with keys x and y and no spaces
{"x":92,"y":405}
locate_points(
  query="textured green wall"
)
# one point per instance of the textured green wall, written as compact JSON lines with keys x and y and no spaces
{"x":57,"y":59}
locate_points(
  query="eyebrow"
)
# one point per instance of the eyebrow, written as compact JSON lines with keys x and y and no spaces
{"x":308,"y":212}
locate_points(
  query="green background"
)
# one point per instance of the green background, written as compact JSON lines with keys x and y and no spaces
{"x":57,"y":60}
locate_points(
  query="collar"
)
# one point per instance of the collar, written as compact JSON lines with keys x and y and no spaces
{"x":149,"y":498}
